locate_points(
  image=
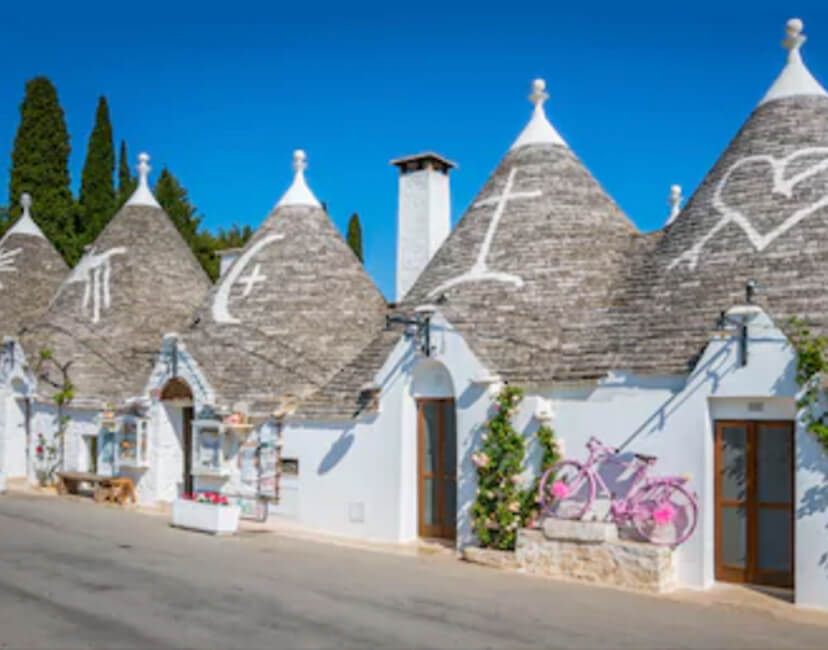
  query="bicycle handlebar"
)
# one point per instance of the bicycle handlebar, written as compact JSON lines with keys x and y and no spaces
{"x":593,"y":444}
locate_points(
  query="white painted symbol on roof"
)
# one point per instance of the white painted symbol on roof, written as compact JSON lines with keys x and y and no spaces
{"x":7,"y":261}
{"x":781,"y":185}
{"x":94,"y":270}
{"x":221,"y":311}
{"x":479,"y":270}
{"x":252,"y":279}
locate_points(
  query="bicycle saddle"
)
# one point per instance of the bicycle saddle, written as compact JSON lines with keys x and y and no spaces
{"x":644,"y":458}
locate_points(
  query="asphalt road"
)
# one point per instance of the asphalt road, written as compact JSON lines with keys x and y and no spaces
{"x":79,"y":575}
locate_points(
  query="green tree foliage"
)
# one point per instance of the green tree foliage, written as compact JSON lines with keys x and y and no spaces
{"x":496,"y":512}
{"x":355,"y":236}
{"x":174,"y":199}
{"x":126,"y":181}
{"x":96,"y":203}
{"x":40,"y":166}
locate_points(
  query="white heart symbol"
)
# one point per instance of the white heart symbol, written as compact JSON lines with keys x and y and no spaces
{"x":781,"y":185}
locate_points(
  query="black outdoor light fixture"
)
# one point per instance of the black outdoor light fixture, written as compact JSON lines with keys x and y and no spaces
{"x":421,"y":321}
{"x":739,"y":317}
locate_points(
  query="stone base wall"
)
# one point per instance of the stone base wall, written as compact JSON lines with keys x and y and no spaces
{"x":491,"y":557}
{"x":621,"y":563}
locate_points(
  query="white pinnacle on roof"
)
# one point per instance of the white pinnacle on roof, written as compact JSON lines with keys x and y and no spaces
{"x":539,"y":130}
{"x":674,"y":201}
{"x":795,"y":79}
{"x":299,"y":193}
{"x":25,"y":225}
{"x":142,"y":194}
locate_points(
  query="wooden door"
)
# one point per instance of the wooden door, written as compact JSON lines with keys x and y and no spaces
{"x":754,"y":502}
{"x":187,"y":447}
{"x":437,"y":468}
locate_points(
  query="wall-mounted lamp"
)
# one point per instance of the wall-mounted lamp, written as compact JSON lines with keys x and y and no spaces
{"x":421,"y":322}
{"x":738,"y":317}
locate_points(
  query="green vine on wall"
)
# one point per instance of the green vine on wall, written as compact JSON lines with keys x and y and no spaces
{"x":502,"y":506}
{"x":531,"y":508}
{"x":496,"y":512}
{"x":811,"y":365}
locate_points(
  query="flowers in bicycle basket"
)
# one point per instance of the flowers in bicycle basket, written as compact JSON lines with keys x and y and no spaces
{"x":664,"y":514}
{"x":213,"y":498}
{"x":560,"y":490}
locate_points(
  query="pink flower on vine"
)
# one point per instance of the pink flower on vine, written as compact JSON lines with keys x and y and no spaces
{"x":480,"y":459}
{"x":664,"y":514}
{"x":560,"y":490}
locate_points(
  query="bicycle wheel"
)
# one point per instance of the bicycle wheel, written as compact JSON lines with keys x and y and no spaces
{"x":664,"y":513}
{"x":567,"y":490}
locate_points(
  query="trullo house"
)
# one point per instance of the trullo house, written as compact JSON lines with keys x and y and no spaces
{"x":293,"y":380}
{"x":31,"y":270}
{"x":138,"y":280}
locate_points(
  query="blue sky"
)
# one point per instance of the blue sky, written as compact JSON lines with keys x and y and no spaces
{"x":647,"y":94}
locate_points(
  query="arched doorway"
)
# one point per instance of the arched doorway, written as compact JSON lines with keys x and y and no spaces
{"x":178,"y":399}
{"x":436,"y":450}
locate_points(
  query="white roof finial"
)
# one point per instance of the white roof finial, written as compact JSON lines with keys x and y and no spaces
{"x":299,"y":193}
{"x":795,"y":78}
{"x":795,"y":37}
{"x":142,"y":194}
{"x":26,"y":204}
{"x":674,"y":201}
{"x":539,"y":130}
{"x":25,"y":225}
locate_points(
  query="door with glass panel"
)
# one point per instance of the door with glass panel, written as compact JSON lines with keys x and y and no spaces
{"x":754,"y":502}
{"x":437,"y":461}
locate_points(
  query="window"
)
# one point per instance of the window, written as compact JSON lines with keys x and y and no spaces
{"x":289,"y":466}
{"x":208,"y":449}
{"x":133,"y":441}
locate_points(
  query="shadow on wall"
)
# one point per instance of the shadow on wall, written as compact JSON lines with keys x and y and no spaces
{"x":467,"y":475}
{"x":713,"y":370}
{"x":337,"y":452}
{"x":811,"y":458}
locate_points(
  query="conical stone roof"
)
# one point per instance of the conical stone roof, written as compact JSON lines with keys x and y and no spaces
{"x":138,"y":281}
{"x":31,"y":270}
{"x":761,"y":214}
{"x":291,"y":310}
{"x":529,"y":265}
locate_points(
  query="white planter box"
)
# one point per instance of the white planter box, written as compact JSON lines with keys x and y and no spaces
{"x":218,"y":520}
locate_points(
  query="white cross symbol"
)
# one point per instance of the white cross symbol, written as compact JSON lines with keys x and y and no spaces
{"x":479,"y":270}
{"x":249,"y":281}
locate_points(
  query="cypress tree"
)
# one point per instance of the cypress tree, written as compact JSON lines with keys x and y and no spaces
{"x":355,"y":236}
{"x":174,"y":199}
{"x":40,"y":166}
{"x":97,"y":190}
{"x":126,"y":181}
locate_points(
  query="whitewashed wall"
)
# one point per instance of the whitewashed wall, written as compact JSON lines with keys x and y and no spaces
{"x":13,"y":430}
{"x":359,"y":479}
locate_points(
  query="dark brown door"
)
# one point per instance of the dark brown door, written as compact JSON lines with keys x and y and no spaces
{"x":437,"y":461}
{"x":754,"y":502}
{"x":187,"y":445}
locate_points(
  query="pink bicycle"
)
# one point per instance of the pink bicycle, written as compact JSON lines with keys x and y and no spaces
{"x":662,"y":510}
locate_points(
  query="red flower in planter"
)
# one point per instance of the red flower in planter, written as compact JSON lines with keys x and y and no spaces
{"x":39,"y":450}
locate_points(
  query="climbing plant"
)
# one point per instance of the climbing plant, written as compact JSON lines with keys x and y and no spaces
{"x":496,"y":512}
{"x":530,"y":503}
{"x":810,"y":366}
{"x":51,"y":456}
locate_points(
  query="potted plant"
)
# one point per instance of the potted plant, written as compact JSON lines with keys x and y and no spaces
{"x":209,"y":512}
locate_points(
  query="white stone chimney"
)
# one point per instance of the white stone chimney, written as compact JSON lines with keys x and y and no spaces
{"x":424,"y":214}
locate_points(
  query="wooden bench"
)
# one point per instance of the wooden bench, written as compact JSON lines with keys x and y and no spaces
{"x":105,"y":488}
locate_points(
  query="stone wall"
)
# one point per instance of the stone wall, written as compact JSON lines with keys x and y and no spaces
{"x":596,"y":557}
